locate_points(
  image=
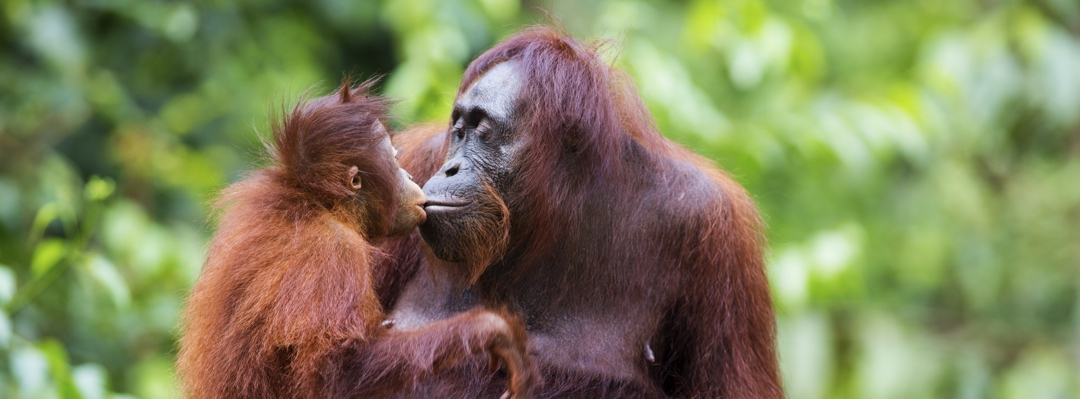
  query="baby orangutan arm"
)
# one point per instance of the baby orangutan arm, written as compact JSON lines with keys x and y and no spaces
{"x":400,"y":356}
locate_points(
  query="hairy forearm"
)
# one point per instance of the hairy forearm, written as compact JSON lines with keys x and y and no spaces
{"x":396,"y":358}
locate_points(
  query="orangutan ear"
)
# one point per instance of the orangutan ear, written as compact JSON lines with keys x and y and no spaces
{"x":353,"y":177}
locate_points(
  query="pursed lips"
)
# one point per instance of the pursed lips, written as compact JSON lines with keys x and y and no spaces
{"x":443,"y":205}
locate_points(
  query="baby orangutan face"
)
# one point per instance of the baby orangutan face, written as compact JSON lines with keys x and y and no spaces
{"x":410,"y":198}
{"x":410,"y":212}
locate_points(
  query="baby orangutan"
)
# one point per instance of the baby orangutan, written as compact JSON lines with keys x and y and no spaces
{"x":286,"y":306}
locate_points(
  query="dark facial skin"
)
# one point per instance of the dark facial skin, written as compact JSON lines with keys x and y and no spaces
{"x":411,"y":201}
{"x":463,"y":197}
{"x":410,"y":209}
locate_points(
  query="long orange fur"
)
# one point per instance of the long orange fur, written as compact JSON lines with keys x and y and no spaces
{"x":286,"y":305}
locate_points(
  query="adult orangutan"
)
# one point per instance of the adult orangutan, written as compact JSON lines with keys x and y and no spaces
{"x":286,"y":305}
{"x":636,"y":265}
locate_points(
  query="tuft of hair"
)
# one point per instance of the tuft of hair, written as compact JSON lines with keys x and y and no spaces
{"x":316,"y":143}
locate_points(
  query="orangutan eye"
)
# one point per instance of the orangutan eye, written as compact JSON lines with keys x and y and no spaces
{"x":483,"y":127}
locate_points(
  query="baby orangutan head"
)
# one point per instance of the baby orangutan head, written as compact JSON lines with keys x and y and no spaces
{"x":337,"y":153}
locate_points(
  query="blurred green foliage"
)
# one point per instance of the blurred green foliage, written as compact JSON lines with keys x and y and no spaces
{"x":917,"y":162}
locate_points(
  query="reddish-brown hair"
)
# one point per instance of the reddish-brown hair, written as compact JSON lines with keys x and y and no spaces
{"x":286,"y":305}
{"x":321,"y":139}
{"x":258,"y":294}
{"x":572,"y":102}
{"x":592,"y":163}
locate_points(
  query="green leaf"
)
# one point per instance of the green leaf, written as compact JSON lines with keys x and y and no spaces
{"x":92,"y":380}
{"x":181,"y":23}
{"x":30,"y":368}
{"x":45,"y":215}
{"x":60,"y":368}
{"x":98,"y":189}
{"x":46,"y":255}
{"x":5,"y":331}
{"x":106,"y":274}
{"x":154,"y":378}
{"x":7,"y":284}
{"x":500,"y":10}
{"x":54,"y":36}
